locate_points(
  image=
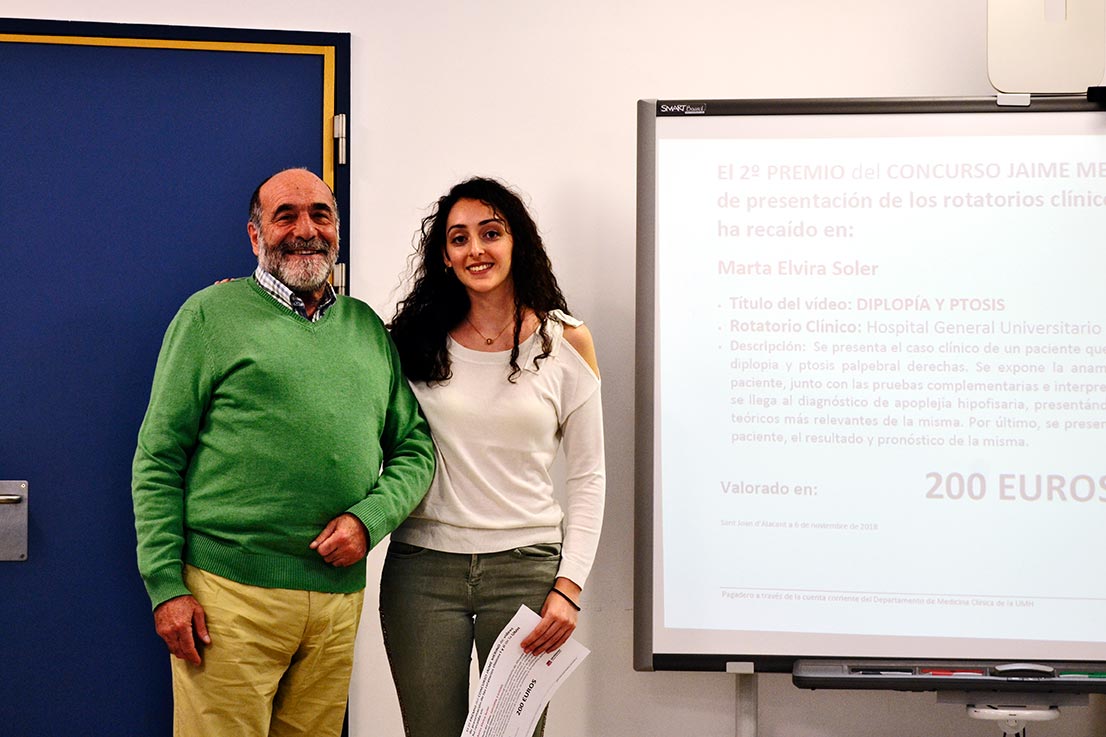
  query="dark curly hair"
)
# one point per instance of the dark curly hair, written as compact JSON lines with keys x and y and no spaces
{"x":437,"y":302}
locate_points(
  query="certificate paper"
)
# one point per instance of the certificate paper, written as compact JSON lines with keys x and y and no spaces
{"x":515,"y":687}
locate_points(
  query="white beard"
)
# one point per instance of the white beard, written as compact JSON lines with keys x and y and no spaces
{"x":298,"y":273}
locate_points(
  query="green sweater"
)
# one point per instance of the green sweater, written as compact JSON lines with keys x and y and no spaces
{"x":261,"y":428}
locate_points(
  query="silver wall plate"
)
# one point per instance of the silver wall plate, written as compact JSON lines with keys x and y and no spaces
{"x":13,"y":520}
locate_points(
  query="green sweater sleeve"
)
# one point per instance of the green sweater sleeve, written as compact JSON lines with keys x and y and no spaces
{"x":408,"y":465}
{"x":179,"y":395}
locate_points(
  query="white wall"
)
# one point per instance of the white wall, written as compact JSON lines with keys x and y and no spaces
{"x":543,"y":95}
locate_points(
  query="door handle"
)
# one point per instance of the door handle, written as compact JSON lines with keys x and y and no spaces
{"x":15,"y":502}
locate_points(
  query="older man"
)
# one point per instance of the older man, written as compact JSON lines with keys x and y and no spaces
{"x":280,"y":444}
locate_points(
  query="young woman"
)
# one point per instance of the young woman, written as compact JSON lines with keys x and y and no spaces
{"x":506,"y":378}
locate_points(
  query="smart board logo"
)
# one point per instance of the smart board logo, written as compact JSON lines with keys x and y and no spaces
{"x":685,"y":109}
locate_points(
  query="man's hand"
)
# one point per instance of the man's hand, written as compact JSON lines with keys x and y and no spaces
{"x":342,"y":542}
{"x":179,"y":622}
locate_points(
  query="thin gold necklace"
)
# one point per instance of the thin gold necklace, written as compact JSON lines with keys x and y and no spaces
{"x":487,"y":340}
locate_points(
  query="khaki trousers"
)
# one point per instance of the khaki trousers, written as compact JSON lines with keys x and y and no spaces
{"x":278,"y":665}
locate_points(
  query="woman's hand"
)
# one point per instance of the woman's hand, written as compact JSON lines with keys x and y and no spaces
{"x":558,"y":620}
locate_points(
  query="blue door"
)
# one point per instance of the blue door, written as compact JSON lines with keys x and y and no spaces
{"x":127,"y":158}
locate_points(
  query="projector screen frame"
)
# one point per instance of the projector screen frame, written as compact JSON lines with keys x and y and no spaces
{"x":648,"y":113}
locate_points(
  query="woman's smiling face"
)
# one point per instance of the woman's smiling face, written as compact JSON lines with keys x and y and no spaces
{"x":478,"y":247}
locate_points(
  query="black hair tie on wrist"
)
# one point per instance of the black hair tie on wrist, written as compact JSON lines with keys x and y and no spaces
{"x":565,"y":596}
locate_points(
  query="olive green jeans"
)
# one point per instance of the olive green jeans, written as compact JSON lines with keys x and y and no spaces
{"x":434,"y":606}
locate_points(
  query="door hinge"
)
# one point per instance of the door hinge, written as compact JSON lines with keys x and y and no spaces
{"x":340,"y":137}
{"x":339,"y":279}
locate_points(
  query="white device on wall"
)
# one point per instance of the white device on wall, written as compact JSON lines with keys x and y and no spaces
{"x":1046,"y":46}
